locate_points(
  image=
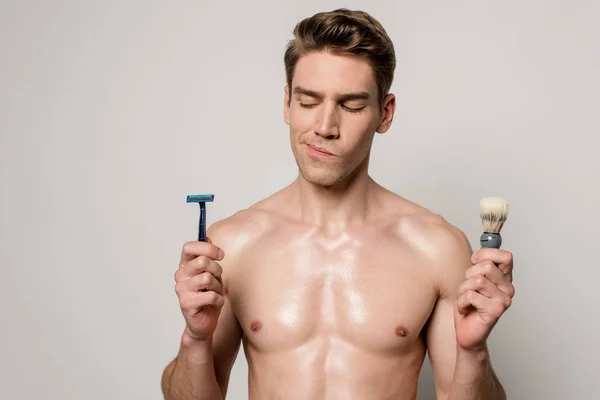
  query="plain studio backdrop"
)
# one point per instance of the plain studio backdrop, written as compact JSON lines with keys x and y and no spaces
{"x":111,"y":112}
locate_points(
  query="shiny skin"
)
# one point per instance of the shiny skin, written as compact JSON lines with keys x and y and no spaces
{"x":335,"y":285}
{"x":331,"y":315}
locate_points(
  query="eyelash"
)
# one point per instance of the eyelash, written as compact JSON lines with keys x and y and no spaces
{"x":352,"y":110}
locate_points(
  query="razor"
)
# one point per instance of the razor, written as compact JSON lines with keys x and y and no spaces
{"x":201,"y":199}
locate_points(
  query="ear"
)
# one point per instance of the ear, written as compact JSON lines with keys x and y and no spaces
{"x":286,"y":105}
{"x":387,"y":113}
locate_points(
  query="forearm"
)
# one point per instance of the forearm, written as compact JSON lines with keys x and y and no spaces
{"x":474,"y":378}
{"x":191,"y":376}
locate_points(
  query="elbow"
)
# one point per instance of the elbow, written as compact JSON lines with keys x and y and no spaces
{"x":500,"y":390}
{"x":165,"y":381}
{"x":442,"y":393}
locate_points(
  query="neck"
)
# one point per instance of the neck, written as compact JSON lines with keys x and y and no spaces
{"x":335,"y":207}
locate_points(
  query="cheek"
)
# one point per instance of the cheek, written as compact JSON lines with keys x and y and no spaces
{"x":300,"y":121}
{"x":360,"y":132}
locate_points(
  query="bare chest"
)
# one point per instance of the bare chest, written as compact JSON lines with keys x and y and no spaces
{"x":374,"y":296}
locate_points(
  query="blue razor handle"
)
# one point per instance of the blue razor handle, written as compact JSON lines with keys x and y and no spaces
{"x":202,"y":199}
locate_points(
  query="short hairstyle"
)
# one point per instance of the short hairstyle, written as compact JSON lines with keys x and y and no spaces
{"x":344,"y":31}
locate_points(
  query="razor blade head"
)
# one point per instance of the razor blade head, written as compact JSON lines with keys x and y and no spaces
{"x":200,"y":198}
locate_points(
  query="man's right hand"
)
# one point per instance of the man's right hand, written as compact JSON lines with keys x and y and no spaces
{"x":199,"y":288}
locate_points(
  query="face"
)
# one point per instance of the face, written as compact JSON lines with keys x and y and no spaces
{"x":333,"y":116}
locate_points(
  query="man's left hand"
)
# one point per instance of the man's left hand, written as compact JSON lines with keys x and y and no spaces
{"x":482,"y":299}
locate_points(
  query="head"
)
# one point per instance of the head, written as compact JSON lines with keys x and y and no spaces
{"x":339,"y":70}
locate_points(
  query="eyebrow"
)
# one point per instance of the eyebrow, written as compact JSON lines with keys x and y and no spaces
{"x":343,"y":97}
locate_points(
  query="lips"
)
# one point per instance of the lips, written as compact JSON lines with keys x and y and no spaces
{"x":319,"y":149}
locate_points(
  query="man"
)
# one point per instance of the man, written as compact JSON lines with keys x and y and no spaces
{"x":336,"y":285}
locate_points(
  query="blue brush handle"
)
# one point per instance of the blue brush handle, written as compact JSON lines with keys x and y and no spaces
{"x":202,"y":224}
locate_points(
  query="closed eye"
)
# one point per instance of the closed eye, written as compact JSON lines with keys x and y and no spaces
{"x":353,"y":109}
{"x":345,"y":107}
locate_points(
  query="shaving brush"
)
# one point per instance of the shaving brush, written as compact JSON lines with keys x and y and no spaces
{"x":493,"y":212}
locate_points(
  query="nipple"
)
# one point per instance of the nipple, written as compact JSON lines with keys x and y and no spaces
{"x":401,"y":331}
{"x":255,"y":326}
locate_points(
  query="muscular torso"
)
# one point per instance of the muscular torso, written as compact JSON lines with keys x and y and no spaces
{"x":332,"y":316}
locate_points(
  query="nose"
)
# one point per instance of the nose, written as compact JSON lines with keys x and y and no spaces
{"x":326,"y":125}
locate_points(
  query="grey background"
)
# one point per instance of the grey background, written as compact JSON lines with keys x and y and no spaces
{"x":111,"y":112}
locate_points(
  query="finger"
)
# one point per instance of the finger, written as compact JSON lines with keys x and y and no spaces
{"x":197,"y":266}
{"x":497,"y":256}
{"x":472,"y":299}
{"x":490,"y":310}
{"x":502,"y":258}
{"x":203,"y":282}
{"x":192,"y":301}
{"x":484,"y":286}
{"x":489,"y":270}
{"x":192,"y":250}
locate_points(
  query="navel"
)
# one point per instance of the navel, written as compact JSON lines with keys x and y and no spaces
{"x":401,"y":331}
{"x":255,"y":326}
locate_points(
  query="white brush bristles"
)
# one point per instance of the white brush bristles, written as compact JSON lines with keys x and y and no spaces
{"x":493,"y":212}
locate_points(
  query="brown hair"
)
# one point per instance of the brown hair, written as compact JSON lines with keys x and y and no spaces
{"x":344,"y":31}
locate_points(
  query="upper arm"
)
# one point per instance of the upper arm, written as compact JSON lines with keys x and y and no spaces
{"x":452,"y":259}
{"x":226,"y":344}
{"x":228,"y":334}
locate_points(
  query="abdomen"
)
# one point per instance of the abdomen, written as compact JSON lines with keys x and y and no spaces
{"x":328,"y":367}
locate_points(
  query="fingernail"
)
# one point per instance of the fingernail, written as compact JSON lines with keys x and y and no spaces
{"x":220,"y":254}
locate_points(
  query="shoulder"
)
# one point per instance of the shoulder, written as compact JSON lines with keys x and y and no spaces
{"x":434,"y":237}
{"x":439,"y":246}
{"x":242,"y":230}
{"x":431,"y":235}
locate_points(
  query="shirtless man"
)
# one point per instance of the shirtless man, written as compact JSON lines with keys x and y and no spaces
{"x":335,"y":285}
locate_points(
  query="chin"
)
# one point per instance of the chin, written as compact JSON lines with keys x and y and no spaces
{"x":321,"y":177}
